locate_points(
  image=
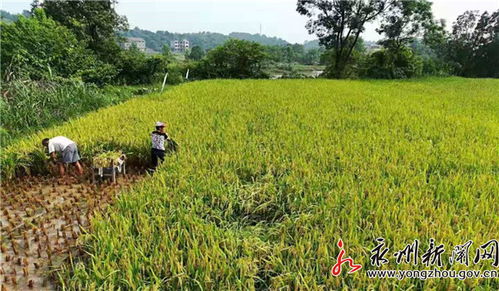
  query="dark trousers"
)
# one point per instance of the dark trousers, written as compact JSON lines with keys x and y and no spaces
{"x":157,"y":155}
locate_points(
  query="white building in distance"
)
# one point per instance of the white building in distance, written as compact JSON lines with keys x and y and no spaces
{"x":140,"y":43}
{"x":179,"y":45}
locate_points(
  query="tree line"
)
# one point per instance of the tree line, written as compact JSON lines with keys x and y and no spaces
{"x":72,"y":40}
{"x":80,"y":40}
{"x":205,"y":40}
{"x":407,"y":28}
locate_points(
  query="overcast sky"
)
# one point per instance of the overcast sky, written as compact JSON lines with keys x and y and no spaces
{"x":276,"y":17}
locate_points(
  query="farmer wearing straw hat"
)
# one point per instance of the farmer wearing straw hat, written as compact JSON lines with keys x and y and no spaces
{"x":159,"y":138}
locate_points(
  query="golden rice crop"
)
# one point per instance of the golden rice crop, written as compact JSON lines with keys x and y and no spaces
{"x":272,"y":173}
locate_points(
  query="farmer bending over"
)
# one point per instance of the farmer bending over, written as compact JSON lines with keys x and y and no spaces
{"x":68,"y":151}
{"x":159,"y":137}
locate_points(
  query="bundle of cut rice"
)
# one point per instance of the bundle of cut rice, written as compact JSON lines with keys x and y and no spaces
{"x":105,"y":159}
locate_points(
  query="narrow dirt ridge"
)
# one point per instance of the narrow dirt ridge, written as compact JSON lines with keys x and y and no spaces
{"x":41,"y":220}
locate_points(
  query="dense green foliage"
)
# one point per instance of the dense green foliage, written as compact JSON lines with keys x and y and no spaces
{"x":95,"y":22}
{"x":98,"y":23}
{"x":258,"y":38}
{"x":399,"y":63}
{"x":28,"y":106}
{"x":40,"y":48}
{"x":49,"y":70}
{"x":279,"y":51}
{"x":470,"y":50}
{"x":137,"y":68}
{"x":234,"y":59}
{"x":403,"y":21}
{"x":272,"y":173}
{"x":473,"y":46}
{"x":311,"y":44}
{"x":295,"y":53}
{"x":196,"y":53}
{"x":338,"y":25}
{"x":352,"y":67}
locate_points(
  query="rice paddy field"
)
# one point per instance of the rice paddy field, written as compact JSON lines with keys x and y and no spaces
{"x":272,"y":173}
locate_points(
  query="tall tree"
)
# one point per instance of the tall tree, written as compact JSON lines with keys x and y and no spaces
{"x":95,"y":22}
{"x":338,"y":24}
{"x":166,"y":51}
{"x":40,"y":48}
{"x":436,"y":36}
{"x":474,"y":44}
{"x":196,"y":53}
{"x":403,"y":21}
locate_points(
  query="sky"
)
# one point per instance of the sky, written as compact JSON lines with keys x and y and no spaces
{"x":274,"y":17}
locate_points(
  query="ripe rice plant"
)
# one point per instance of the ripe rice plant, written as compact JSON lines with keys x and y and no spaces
{"x":272,"y":173}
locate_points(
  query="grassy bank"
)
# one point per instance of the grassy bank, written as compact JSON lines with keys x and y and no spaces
{"x":28,"y":106}
{"x":270,"y":175}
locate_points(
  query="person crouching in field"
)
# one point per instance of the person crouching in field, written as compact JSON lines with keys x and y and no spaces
{"x":159,"y":138}
{"x":68,"y":151}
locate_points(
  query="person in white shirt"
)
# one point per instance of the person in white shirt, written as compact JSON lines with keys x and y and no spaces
{"x":68,"y":151}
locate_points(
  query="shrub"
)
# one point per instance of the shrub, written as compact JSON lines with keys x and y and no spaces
{"x":176,"y":73}
{"x":99,"y":74}
{"x":435,"y":67}
{"x":351,"y":68}
{"x":239,"y":59}
{"x":397,"y":63}
{"x":28,"y":105}
{"x":40,"y":48}
{"x":135,"y":67}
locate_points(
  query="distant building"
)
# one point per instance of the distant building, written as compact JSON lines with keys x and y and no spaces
{"x":179,"y":45}
{"x":140,"y":43}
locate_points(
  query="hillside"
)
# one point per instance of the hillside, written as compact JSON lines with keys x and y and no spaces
{"x":7,"y":17}
{"x":206,"y":40}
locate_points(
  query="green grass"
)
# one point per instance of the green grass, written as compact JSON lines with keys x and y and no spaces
{"x":28,"y":106}
{"x":270,"y":175}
